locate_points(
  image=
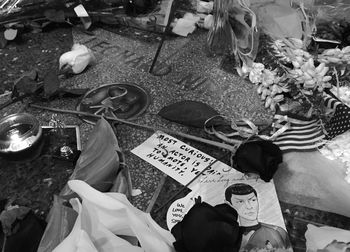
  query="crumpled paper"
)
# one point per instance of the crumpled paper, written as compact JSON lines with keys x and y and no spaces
{"x":104,"y":217}
{"x":279,"y":21}
{"x":321,"y":237}
{"x":185,"y":25}
{"x":77,"y":59}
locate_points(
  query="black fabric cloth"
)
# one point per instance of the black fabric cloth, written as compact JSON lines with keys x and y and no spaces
{"x":27,"y":237}
{"x":208,"y":229}
{"x":261,"y":157}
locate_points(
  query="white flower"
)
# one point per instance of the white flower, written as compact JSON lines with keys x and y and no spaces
{"x":255,"y":76}
{"x":77,"y":59}
{"x":258,"y":66}
{"x":268,"y":77}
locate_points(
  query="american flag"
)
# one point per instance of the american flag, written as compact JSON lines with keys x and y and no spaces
{"x":300,"y":135}
{"x":310,"y":134}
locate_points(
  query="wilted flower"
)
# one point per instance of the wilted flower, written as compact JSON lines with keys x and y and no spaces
{"x":77,"y":59}
{"x":255,"y":75}
{"x":268,"y":77}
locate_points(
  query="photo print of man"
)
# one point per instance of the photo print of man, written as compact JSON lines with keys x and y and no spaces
{"x":256,"y":235}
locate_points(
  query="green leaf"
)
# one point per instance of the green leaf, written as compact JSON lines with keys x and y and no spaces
{"x":73,"y":92}
{"x":32,"y":74}
{"x":3,"y":41}
{"x":51,"y":84}
{"x":8,"y":218}
{"x":98,"y":163}
{"x":189,"y":113}
{"x":25,"y":85}
{"x":86,"y":22}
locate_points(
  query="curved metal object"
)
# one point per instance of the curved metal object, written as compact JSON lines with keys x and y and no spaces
{"x":18,"y":132}
{"x":118,"y":100}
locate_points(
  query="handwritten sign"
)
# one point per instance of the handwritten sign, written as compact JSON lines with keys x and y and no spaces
{"x":179,"y":208}
{"x":177,"y":159}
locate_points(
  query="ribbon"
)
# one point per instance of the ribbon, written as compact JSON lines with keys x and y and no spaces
{"x":244,"y":131}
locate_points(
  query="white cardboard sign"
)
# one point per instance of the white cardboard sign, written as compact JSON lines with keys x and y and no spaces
{"x":177,"y":159}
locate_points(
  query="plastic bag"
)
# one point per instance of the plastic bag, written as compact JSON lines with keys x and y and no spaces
{"x":103,"y":217}
{"x":221,"y":39}
{"x":98,"y":164}
{"x":336,"y":11}
{"x":102,"y":165}
{"x":60,"y":224}
{"x":279,"y":21}
{"x":293,"y":19}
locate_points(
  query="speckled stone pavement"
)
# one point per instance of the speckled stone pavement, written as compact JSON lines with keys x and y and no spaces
{"x":184,"y":72}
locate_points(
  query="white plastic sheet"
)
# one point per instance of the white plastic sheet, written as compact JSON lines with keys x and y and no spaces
{"x":320,"y":237}
{"x":104,"y":216}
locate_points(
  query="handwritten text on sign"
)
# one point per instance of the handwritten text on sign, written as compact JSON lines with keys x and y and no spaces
{"x":175,"y":158}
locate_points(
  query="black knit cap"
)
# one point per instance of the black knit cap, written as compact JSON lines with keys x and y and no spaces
{"x":208,"y":229}
{"x":261,"y":157}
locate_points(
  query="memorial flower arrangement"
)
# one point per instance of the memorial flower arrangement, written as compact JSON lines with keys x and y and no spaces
{"x":296,"y":82}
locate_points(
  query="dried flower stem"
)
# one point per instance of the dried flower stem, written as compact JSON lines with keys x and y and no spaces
{"x":337,"y":79}
{"x":195,"y":138}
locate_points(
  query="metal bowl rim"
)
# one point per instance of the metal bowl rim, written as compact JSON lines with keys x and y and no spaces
{"x":34,"y":131}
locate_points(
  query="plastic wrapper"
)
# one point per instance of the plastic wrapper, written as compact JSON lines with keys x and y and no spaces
{"x":105,"y":217}
{"x":122,"y":183}
{"x":280,"y":20}
{"x":332,"y":11}
{"x":221,"y":39}
{"x":234,"y":31}
{"x":98,"y":164}
{"x":60,"y":224}
{"x":102,"y":165}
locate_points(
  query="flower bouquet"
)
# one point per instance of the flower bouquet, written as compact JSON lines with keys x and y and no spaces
{"x":297,"y":80}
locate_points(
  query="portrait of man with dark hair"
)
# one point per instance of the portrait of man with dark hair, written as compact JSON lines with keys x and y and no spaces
{"x":244,"y":199}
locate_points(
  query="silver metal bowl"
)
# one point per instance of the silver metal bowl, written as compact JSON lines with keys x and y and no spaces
{"x":19,"y":132}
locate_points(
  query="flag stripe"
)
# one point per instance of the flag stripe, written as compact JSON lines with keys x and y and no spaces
{"x":302,"y":135}
{"x":294,"y":128}
{"x":294,"y":120}
{"x":299,"y":137}
{"x":307,"y":135}
{"x":300,"y":142}
{"x":301,"y":148}
{"x":330,"y":102}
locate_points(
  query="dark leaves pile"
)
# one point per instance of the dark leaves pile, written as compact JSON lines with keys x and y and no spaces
{"x":39,"y":51}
